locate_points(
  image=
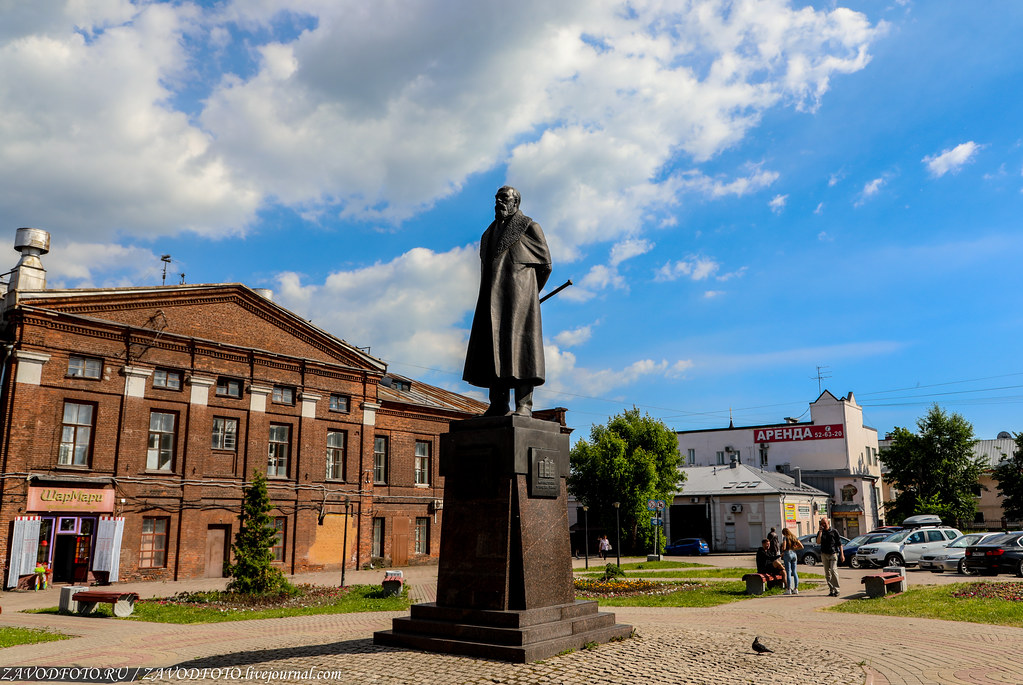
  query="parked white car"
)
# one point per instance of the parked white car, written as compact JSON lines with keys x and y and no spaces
{"x":906,"y":547}
{"x":951,"y":556}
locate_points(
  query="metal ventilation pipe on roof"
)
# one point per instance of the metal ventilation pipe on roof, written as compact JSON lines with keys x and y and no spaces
{"x":29,"y":274}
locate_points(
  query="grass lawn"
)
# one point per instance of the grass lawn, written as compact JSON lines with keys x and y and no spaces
{"x":216,"y":607}
{"x":27,"y":636}
{"x":640,"y":593}
{"x":702,"y":572}
{"x":993,"y":603}
{"x":641,"y":565}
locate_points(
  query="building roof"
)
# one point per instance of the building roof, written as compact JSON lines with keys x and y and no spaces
{"x":742,"y":480}
{"x":993,"y":452}
{"x":409,"y":391}
{"x":91,"y":304}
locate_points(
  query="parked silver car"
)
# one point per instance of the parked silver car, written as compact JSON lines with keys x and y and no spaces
{"x":951,"y":556}
{"x":906,"y":547}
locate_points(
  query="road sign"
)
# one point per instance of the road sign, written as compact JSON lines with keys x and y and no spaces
{"x":655,"y":505}
{"x":655,"y":521}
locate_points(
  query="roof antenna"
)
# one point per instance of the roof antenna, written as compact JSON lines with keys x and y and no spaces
{"x":166,"y":259}
{"x":820,"y":376}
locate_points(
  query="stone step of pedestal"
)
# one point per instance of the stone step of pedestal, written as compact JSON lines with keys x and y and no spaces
{"x":504,"y":635}
{"x":504,"y":619}
{"x":513,"y":653}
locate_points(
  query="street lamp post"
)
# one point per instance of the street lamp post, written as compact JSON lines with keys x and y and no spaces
{"x":586,"y":534}
{"x":344,"y":543}
{"x":618,"y":531}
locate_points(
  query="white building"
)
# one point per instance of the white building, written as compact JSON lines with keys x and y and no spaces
{"x":733,"y":507}
{"x":833,"y":452}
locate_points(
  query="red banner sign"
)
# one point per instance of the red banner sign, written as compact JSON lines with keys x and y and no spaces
{"x":798,"y":433}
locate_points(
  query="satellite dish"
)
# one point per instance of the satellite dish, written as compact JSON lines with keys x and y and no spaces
{"x":1005,"y":435}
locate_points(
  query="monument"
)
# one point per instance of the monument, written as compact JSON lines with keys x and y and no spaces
{"x":504,"y":581}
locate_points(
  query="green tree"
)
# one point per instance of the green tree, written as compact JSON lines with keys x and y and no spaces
{"x":935,"y":470}
{"x":1009,"y":474}
{"x":253,"y":571}
{"x":630,"y":460}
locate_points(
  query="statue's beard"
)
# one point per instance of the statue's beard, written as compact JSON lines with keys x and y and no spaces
{"x":503,"y":213}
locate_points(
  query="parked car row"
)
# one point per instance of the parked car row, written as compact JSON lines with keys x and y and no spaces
{"x":998,"y":554}
{"x":952,"y":557}
{"x":905,"y":547}
{"x":687,"y":547}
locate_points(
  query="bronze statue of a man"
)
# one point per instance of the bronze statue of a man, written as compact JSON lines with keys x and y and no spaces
{"x":506,"y":342}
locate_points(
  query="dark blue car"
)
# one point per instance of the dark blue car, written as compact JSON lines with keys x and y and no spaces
{"x":687,"y":547}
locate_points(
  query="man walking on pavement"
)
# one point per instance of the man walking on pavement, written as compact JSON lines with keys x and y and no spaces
{"x":831,"y":554}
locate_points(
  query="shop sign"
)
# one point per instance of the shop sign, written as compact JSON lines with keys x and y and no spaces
{"x":798,"y":433}
{"x":790,"y":512}
{"x":70,"y":499}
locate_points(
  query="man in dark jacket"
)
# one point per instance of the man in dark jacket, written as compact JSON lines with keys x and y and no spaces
{"x":506,"y":342}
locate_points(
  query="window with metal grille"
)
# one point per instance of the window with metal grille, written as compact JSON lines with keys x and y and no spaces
{"x":377,"y":548}
{"x":422,"y":535}
{"x":280,"y":525}
{"x":153,"y":549}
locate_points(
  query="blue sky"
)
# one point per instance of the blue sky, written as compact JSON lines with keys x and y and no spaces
{"x":741,"y":191}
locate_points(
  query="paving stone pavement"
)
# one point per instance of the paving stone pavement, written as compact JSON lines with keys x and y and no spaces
{"x":671,"y":645}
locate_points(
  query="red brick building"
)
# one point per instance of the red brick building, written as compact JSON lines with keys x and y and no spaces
{"x":130,"y":418}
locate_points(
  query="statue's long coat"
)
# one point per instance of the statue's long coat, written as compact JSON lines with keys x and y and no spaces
{"x":506,"y":341}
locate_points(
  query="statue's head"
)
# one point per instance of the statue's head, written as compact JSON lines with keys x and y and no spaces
{"x":506,"y":202}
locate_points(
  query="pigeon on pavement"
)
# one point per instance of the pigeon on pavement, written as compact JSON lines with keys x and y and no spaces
{"x":761,"y":648}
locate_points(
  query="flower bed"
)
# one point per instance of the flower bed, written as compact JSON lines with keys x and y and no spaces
{"x":1011,"y":592}
{"x":621,"y":587}
{"x":305,"y":596}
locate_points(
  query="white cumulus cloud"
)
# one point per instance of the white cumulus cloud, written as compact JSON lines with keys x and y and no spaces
{"x":952,"y":159}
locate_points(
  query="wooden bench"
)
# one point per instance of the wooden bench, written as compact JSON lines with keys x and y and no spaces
{"x":881,"y":584}
{"x":756,"y":583}
{"x":123,"y":603}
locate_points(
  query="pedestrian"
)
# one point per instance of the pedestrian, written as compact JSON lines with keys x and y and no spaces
{"x":774,"y":552}
{"x":605,"y":547}
{"x":764,"y":564}
{"x":831,"y":554}
{"x":790,"y":543}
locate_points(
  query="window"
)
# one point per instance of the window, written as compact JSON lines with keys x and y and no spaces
{"x":169,"y":380}
{"x":691,"y":453}
{"x":340,"y":403}
{"x":848,"y":493}
{"x":422,"y":535}
{"x":229,"y":387}
{"x":916,"y":538}
{"x":935,"y":536}
{"x":403,"y":386}
{"x":721,"y":458}
{"x":377,"y":549}
{"x":422,"y":462}
{"x":76,"y":434}
{"x":160,"y":456}
{"x":84,"y":367}
{"x":278,"y":546}
{"x":280,"y":449}
{"x":380,"y":460}
{"x":225,"y":433}
{"x":153,"y":550}
{"x":336,"y":454}
{"x":283,"y":394}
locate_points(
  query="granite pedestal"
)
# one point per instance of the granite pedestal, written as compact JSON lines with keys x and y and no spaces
{"x":504,"y":581}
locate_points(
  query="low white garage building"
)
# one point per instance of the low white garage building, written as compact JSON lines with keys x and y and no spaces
{"x":733,"y":507}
